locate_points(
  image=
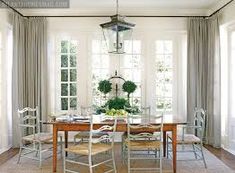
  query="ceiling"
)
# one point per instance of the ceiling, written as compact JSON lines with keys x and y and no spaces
{"x":133,"y":7}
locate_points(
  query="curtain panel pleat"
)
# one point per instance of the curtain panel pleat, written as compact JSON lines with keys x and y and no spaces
{"x":203,"y":79}
{"x":29,"y":67}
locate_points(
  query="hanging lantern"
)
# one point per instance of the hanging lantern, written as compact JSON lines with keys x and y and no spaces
{"x":116,"y":32}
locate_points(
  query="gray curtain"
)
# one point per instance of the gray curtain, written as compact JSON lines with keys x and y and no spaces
{"x":29,"y":67}
{"x":203,"y":80}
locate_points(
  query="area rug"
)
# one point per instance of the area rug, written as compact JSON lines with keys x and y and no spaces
{"x":214,"y":165}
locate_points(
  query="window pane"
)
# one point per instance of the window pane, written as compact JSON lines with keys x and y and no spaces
{"x":105,"y":61}
{"x":73,"y":103}
{"x":64,"y":103}
{"x":64,"y":46}
{"x":136,"y":75}
{"x":160,"y":66}
{"x":137,"y":92}
{"x":160,"y":78}
{"x":168,"y":104}
{"x":96,"y":61}
{"x":160,"y":47}
{"x":73,"y":89}
{"x":128,"y":46}
{"x":168,"y":90}
{"x":64,"y":75}
{"x":168,"y":76}
{"x":160,"y":104}
{"x":96,"y":46}
{"x":136,"y":61}
{"x":160,"y":90}
{"x":136,"y":101}
{"x":73,"y":75}
{"x":136,"y":47}
{"x":127,"y":74}
{"x":73,"y":61}
{"x":127,"y":61}
{"x":64,"y":60}
{"x":104,"y":47}
{"x":168,"y":47}
{"x":73,"y":46}
{"x":64,"y":89}
{"x":168,"y":61}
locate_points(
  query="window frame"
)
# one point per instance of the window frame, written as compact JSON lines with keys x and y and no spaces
{"x":58,"y":74}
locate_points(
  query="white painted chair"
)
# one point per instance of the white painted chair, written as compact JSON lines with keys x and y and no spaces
{"x":32,"y":139}
{"x":192,"y":140}
{"x":144,"y":111}
{"x":95,"y":146}
{"x":84,"y":136}
{"x":137,"y":144}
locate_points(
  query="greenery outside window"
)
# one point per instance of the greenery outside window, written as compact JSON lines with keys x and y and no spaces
{"x":131,"y":68}
{"x":100,"y":70}
{"x":68,"y":74}
{"x":164,"y":75}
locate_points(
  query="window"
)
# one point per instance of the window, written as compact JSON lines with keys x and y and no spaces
{"x":68,"y":74}
{"x":100,"y":70}
{"x":131,"y":68}
{"x":0,"y":71}
{"x":127,"y":65}
{"x":164,"y":75}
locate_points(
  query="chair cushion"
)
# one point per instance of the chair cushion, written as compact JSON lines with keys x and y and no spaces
{"x":142,"y":145}
{"x":86,"y":134}
{"x":188,"y":138}
{"x":41,"y":137}
{"x":83,"y":148}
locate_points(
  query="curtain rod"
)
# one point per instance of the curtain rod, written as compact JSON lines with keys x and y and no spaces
{"x":12,"y":8}
{"x":109,"y":16}
{"x":126,"y":16}
{"x":220,"y":8}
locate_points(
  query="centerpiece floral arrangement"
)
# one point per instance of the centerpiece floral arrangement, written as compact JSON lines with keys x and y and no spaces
{"x":117,"y":106}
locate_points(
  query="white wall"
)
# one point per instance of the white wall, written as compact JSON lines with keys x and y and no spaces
{"x":5,"y":89}
{"x":227,"y":23}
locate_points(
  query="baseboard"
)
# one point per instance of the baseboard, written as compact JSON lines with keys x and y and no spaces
{"x":230,"y":151}
{"x":4,"y":149}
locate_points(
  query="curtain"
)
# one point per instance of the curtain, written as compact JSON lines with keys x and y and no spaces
{"x":29,"y":67}
{"x":203,"y":80}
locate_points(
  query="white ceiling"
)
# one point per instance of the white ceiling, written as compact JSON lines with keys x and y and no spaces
{"x":204,"y":4}
{"x":133,"y":7}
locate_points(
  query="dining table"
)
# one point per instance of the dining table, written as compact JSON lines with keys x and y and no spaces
{"x":169,"y":125}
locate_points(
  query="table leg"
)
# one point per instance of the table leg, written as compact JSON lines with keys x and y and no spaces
{"x":55,"y":137}
{"x":66,"y":141}
{"x":164,"y":143}
{"x":174,"y":147}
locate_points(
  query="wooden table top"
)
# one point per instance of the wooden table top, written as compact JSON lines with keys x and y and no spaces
{"x":99,"y":119}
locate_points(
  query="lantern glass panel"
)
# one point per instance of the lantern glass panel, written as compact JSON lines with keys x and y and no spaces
{"x":115,"y":37}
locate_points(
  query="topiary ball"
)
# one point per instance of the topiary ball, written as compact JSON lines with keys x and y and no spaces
{"x":105,"y":86}
{"x":129,"y":87}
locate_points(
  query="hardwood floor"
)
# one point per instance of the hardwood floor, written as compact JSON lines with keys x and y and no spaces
{"x":226,"y":157}
{"x":8,"y":155}
{"x":223,"y":155}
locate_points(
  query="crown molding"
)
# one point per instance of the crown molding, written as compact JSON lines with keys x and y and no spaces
{"x":107,"y":12}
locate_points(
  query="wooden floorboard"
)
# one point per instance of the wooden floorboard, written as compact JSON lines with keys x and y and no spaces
{"x":8,"y":155}
{"x":226,"y":157}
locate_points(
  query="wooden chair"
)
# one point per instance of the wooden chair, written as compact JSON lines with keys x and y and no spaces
{"x":84,"y":136}
{"x":137,"y":144}
{"x":102,"y":145}
{"x":32,"y":139}
{"x":144,"y":111}
{"x":194,"y":139}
